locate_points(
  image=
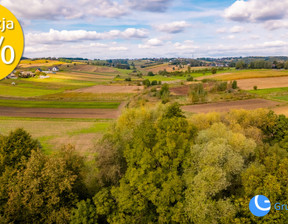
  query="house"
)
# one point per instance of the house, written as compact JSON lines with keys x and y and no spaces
{"x":38,"y":70}
{"x":55,"y":69}
{"x":11,"y":76}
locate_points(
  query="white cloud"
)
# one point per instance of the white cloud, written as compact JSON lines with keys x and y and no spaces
{"x":54,"y":36}
{"x":257,"y":10}
{"x":56,"y":9}
{"x":276,"y":24}
{"x":174,"y":27}
{"x":221,"y":30}
{"x":149,"y":5}
{"x":186,"y":45}
{"x":118,"y":48}
{"x":236,"y":29}
{"x":277,"y":43}
{"x":231,"y":37}
{"x":151,"y":43}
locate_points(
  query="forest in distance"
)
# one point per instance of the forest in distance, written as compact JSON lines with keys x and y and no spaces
{"x":151,"y":166}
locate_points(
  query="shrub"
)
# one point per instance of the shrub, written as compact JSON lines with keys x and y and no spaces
{"x":146,"y":83}
{"x":154,"y":83}
{"x":150,"y":74}
{"x":234,"y":84}
{"x":214,"y":70}
{"x":189,"y":78}
{"x":255,"y":87}
{"x":128,"y":79}
{"x":222,"y":86}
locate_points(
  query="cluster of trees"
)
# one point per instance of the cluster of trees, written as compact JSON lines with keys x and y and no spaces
{"x":198,"y":94}
{"x":152,"y":166}
{"x":147,"y":82}
{"x":261,"y":64}
{"x":118,"y":63}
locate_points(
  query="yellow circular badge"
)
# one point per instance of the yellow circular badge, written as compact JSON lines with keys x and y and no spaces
{"x":11,"y":42}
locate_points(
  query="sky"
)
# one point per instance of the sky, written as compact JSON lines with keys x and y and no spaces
{"x":107,"y":29}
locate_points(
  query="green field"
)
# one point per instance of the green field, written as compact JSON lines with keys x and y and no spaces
{"x":250,"y":74}
{"x":54,"y":133}
{"x":58,"y":104}
{"x":272,"y":93}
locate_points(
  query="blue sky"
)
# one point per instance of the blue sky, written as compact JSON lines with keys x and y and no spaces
{"x":152,"y":28}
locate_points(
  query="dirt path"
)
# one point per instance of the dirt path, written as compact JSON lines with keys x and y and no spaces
{"x":251,"y":104}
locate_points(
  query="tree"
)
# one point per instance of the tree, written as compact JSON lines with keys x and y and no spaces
{"x":154,"y":82}
{"x":42,"y":192}
{"x":85,"y":213}
{"x":214,"y":70}
{"x":147,"y":83}
{"x":150,"y":74}
{"x":152,"y":187}
{"x":164,"y":93}
{"x":217,"y":159}
{"x":234,"y":84}
{"x":241,"y":64}
{"x":197,"y":93}
{"x":15,"y":149}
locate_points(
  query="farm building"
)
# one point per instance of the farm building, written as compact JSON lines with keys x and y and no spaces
{"x":55,"y":69}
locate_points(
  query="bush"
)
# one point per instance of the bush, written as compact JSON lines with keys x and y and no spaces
{"x":255,"y":87}
{"x":146,"y":83}
{"x":154,"y":83}
{"x":214,"y":70}
{"x":222,"y":86}
{"x":128,"y":79}
{"x":234,"y":84}
{"x":190,"y":78}
{"x":150,"y":74}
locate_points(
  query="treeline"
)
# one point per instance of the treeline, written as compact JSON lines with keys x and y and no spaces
{"x":152,"y":166}
{"x":203,"y":71}
{"x":261,"y":64}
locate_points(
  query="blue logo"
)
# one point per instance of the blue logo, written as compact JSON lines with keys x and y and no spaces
{"x":259,"y":205}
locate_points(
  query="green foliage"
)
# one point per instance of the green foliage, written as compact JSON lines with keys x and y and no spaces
{"x":151,"y":189}
{"x":151,"y":74}
{"x":213,"y":70}
{"x":255,"y":87}
{"x":173,"y":110}
{"x":164,"y":93}
{"x":41,"y":193}
{"x":234,"y":84}
{"x":35,"y":188}
{"x":128,"y":79}
{"x":146,"y":83}
{"x":197,"y":93}
{"x":152,"y":166}
{"x":241,"y":64}
{"x":221,"y":86}
{"x":190,"y":78}
{"x":15,"y":149}
{"x":85,"y":213}
{"x":154,"y":82}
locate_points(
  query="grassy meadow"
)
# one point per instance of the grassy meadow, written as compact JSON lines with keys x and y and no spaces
{"x":54,"y":133}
